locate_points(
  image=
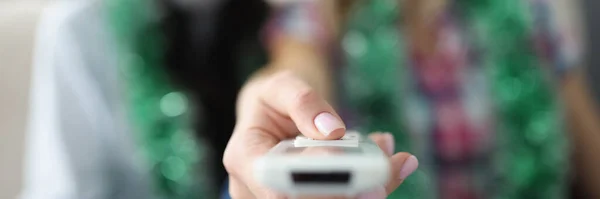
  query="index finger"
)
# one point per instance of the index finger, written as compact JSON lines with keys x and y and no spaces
{"x":314,"y":117}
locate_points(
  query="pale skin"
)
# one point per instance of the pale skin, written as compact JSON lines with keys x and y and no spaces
{"x":286,"y":96}
{"x":273,"y":107}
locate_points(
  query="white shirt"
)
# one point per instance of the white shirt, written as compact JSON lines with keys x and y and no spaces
{"x":78,"y":146}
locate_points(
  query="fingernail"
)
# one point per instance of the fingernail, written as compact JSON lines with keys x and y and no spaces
{"x":410,"y":165}
{"x":327,"y":123}
{"x":390,"y":143}
{"x":378,"y":193}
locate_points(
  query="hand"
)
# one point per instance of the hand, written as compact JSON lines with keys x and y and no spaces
{"x":277,"y":107}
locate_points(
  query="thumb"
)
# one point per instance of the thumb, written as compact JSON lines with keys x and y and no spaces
{"x":290,"y":96}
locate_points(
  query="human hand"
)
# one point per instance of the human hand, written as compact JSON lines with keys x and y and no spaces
{"x":278,"y":107}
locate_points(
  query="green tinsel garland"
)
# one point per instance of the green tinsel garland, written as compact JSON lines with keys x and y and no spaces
{"x":160,"y":114}
{"x":531,"y":155}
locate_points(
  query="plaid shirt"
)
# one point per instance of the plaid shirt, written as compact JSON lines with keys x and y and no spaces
{"x":447,"y":96}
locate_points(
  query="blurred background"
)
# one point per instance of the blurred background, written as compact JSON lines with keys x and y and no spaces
{"x":18,"y":20}
{"x":18,"y":25}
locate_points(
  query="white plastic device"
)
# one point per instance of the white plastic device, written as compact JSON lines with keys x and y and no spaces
{"x":302,"y":166}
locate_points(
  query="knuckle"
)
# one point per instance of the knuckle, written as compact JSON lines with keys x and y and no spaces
{"x":284,"y":74}
{"x":278,"y":79}
{"x":229,"y":162}
{"x":304,"y":97}
{"x":281,"y":77}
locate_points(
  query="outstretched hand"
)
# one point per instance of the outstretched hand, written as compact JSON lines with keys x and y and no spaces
{"x":278,"y":107}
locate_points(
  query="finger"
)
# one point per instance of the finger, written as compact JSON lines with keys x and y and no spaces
{"x":378,"y":193}
{"x":403,"y":164}
{"x":385,"y":141}
{"x":247,"y":147}
{"x":292,"y":97}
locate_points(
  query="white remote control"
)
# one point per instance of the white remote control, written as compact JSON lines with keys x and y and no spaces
{"x":343,"y":167}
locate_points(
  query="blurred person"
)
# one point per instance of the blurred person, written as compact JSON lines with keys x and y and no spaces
{"x":73,"y":121}
{"x":117,"y":114}
{"x":178,"y":69}
{"x":114,"y":110}
{"x":488,"y":94}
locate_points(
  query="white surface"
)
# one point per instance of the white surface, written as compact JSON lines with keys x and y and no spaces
{"x":368,"y":169}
